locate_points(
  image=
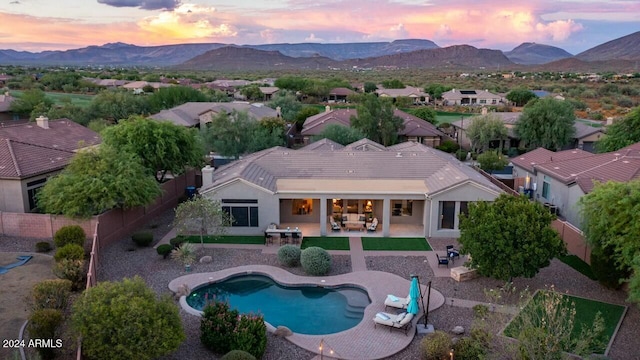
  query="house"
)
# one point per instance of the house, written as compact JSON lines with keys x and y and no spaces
{"x":5,"y":106}
{"x":560,"y":179}
{"x":415,"y":129}
{"x":416,"y":94}
{"x":138,"y":86}
{"x":31,"y":153}
{"x":339,"y":94}
{"x":471,"y":97}
{"x":404,"y":186}
{"x":268,"y":92}
{"x":4,"y":78}
{"x":196,"y":114}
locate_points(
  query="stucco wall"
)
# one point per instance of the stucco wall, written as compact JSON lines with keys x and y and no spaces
{"x":572,"y":211}
{"x":558,"y":193}
{"x":11,"y":196}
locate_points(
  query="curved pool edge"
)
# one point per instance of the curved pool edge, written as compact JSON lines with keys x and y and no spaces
{"x":352,"y":343}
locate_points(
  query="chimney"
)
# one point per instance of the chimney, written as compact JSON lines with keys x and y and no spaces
{"x":278,"y":111}
{"x":207,"y":176}
{"x":484,"y":110}
{"x":609,"y":121}
{"x":327,"y":108}
{"x":42,"y":121}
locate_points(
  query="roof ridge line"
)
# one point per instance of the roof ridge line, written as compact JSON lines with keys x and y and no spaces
{"x":597,"y":166}
{"x":45,"y":147}
{"x":13,"y":157}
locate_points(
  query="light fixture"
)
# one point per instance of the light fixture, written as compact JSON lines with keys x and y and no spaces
{"x":369,"y":203}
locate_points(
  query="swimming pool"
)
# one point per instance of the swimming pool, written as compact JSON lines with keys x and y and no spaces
{"x":311,"y":310}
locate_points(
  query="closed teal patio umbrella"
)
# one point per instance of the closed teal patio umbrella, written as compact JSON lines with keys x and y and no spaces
{"x":414,"y":293}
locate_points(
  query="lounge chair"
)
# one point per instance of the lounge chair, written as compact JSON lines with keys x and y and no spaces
{"x":452,"y":253}
{"x":400,"y":322}
{"x":373,"y":226}
{"x":442,"y":260}
{"x":334,"y":225}
{"x":397,"y":302}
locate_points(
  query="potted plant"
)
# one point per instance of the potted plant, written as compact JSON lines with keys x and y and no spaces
{"x":186,"y":254}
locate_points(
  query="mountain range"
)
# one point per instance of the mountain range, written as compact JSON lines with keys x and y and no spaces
{"x":619,"y":54}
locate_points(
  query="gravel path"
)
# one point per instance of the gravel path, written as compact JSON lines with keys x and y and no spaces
{"x":124,"y":259}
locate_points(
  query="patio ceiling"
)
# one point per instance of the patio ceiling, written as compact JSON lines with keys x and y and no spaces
{"x":356,"y":186}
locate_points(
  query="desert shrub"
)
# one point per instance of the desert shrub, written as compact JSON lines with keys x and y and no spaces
{"x":51,"y":294}
{"x":43,"y":246}
{"x":315,"y":261}
{"x":238,"y":355}
{"x":71,"y":234}
{"x":480,"y":311}
{"x":461,"y":154}
{"x":164,"y":250}
{"x":289,"y":255}
{"x":177,"y":241}
{"x":250,"y":335}
{"x":43,"y":324}
{"x":217,"y":325}
{"x":436,"y":346}
{"x":72,"y":270}
{"x":624,"y":101}
{"x":142,"y":238}
{"x":69,"y":252}
{"x":448,"y":146}
{"x":605,"y":269}
{"x":469,"y":349}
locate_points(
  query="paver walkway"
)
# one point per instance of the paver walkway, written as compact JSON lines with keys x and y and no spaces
{"x":358,"y":262}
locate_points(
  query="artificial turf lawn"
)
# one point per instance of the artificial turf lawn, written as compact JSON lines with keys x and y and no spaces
{"x":585,"y":314}
{"x":327,"y":243}
{"x":579,"y":265}
{"x":228,"y":239}
{"x":395,"y":244}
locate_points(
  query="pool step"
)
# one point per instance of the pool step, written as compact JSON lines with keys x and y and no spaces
{"x":353,"y":312}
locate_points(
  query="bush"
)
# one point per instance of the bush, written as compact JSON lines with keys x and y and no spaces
{"x":289,"y":255}
{"x":51,"y":294}
{"x":315,"y":261}
{"x":480,"y":311}
{"x":469,"y":349}
{"x":43,"y":246}
{"x":250,"y":335}
{"x":43,"y":324}
{"x":142,"y":238}
{"x":238,"y":355}
{"x":69,"y":252}
{"x":448,"y":146}
{"x":606,"y":269}
{"x":461,"y":154}
{"x":217,"y":325}
{"x":436,"y":346}
{"x":71,"y":234}
{"x":177,"y":241}
{"x":164,"y":250}
{"x":72,"y":270}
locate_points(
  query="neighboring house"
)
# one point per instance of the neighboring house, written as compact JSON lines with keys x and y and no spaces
{"x":560,"y":179}
{"x":5,"y":106}
{"x":4,"y":79}
{"x":471,"y":97}
{"x":408,"y":185}
{"x":138,"y":86}
{"x":108,"y":83}
{"x":268,"y":92}
{"x":415,"y":129}
{"x":416,"y":94}
{"x":339,"y":94}
{"x":196,"y":114}
{"x":30,"y":153}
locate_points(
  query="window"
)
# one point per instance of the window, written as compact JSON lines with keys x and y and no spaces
{"x":483,"y":101}
{"x":464,"y":207}
{"x":243,"y":216}
{"x":337,"y":206}
{"x":401,"y":207}
{"x":546,"y":187}
{"x":447,"y":213}
{"x":302,"y":206}
{"x":33,"y":187}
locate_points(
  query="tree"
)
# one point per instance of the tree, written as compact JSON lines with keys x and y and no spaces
{"x":97,"y":180}
{"x":115,"y":105}
{"x":484,"y":129}
{"x":393,"y":84}
{"x":26,"y":103}
{"x":305,"y":113}
{"x":509,"y":237}
{"x":202,"y":215}
{"x":266,"y":133}
{"x":520,"y":96}
{"x":611,"y":221}
{"x":376,"y":120}
{"x":370,"y":87}
{"x":622,"y":133}
{"x":161,"y":145}
{"x":230,"y":134}
{"x":252,"y":92}
{"x":172,"y":96}
{"x":492,"y":160}
{"x":425,"y":113}
{"x":288,"y":103}
{"x":435,"y":90}
{"x":341,"y":134}
{"x":125,"y":320}
{"x":293,"y":83}
{"x":547,"y":123}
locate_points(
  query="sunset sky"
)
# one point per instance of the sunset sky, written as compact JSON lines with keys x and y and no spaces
{"x":574,"y":25}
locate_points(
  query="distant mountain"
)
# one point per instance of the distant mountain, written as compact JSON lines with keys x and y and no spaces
{"x":532,"y":53}
{"x":624,"y":48}
{"x":576,"y":65}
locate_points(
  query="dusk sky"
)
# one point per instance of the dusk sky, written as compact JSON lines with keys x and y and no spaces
{"x":574,"y":25}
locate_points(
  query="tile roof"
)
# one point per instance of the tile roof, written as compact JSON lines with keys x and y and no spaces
{"x":323,"y":145}
{"x":583,"y":130}
{"x":5,"y":102}
{"x":340,"y":91}
{"x":408,"y":91}
{"x":541,"y":156}
{"x":188,"y":114}
{"x":438,"y":170}
{"x":27,"y":150}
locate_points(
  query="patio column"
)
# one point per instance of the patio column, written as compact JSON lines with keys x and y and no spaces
{"x":323,"y":216}
{"x":386,"y":214}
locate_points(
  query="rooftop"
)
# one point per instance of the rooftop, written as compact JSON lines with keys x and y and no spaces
{"x":188,"y":114}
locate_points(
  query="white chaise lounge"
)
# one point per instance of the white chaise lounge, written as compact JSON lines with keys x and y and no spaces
{"x":396,"y":302}
{"x":401,"y":321}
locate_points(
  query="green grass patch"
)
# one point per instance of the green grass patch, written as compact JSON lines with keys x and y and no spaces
{"x":59,"y":98}
{"x":449,"y":117}
{"x":586,"y":310}
{"x":579,"y":265}
{"x":395,"y":244}
{"x":228,"y":239}
{"x":327,"y":243}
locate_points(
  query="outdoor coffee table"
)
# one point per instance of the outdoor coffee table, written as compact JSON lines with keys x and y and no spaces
{"x":354,"y":226}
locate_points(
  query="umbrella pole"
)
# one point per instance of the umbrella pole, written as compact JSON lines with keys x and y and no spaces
{"x":426,"y":309}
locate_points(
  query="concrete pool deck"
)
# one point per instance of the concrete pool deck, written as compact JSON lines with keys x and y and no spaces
{"x":363,"y":340}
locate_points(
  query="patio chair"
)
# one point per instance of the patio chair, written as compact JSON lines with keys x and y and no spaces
{"x":295,"y":237}
{"x":284,"y":238}
{"x":452,"y":253}
{"x":396,"y":302}
{"x":334,"y":225}
{"x":401,"y":321}
{"x":442,"y":260}
{"x":268,"y":238}
{"x":373,"y":226}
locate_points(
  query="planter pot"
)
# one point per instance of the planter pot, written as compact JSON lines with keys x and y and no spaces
{"x":187,"y":268}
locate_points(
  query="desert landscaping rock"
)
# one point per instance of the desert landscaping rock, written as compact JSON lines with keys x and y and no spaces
{"x":458,"y":330}
{"x":206,"y":259}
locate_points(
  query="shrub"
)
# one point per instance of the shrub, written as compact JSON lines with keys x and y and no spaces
{"x":469,"y":349}
{"x":69,"y":252}
{"x":43,"y":246}
{"x":72,"y":270}
{"x":289,"y":255}
{"x":51,"y":294}
{"x":436,"y":346}
{"x":177,"y":241}
{"x":217,"y":325}
{"x":164,"y":250}
{"x":43,"y":324}
{"x":480,"y":311}
{"x":238,"y":355}
{"x":71,"y":234}
{"x":448,"y":146}
{"x":461,"y":154}
{"x":315,"y":261}
{"x":605,"y":269}
{"x":142,"y":238}
{"x":250,"y":335}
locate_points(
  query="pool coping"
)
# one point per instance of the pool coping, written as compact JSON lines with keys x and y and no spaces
{"x":376,"y":342}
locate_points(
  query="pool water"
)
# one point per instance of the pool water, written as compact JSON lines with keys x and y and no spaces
{"x":303,"y":309}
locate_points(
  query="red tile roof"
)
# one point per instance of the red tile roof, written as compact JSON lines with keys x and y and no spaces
{"x":542,"y":156}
